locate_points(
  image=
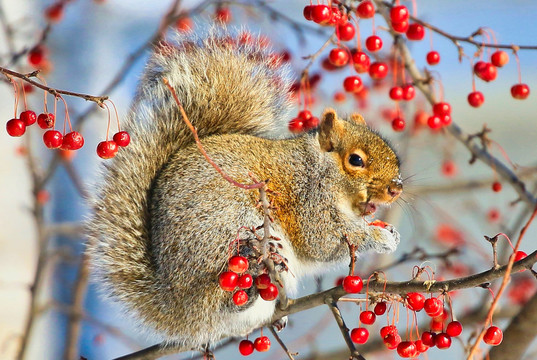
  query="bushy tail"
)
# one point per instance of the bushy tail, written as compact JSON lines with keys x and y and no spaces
{"x":224,"y":87}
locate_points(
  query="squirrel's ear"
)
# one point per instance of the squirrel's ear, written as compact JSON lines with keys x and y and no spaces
{"x":330,"y":131}
{"x":357,"y":119}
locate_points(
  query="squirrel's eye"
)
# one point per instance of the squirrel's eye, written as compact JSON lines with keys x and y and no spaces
{"x":356,"y":160}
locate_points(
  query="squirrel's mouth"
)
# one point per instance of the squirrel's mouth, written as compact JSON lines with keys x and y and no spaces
{"x":369,"y":208}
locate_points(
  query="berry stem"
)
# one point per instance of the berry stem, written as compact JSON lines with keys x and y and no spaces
{"x":66,"y":112}
{"x":117,"y":116}
{"x":24,"y":96}
{"x":16,"y":89}
{"x":515,"y":52}
{"x":108,"y":125}
{"x":358,"y":44}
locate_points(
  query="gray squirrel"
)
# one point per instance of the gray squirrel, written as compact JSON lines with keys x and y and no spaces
{"x":163,"y":219}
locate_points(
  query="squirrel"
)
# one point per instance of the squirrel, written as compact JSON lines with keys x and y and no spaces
{"x":163,"y":219}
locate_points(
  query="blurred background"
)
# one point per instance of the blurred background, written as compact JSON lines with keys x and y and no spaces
{"x":448,"y":202}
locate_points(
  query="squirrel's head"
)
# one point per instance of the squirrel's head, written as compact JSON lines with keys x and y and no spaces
{"x":370,"y":165}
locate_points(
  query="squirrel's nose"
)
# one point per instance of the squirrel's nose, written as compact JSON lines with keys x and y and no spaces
{"x":394,"y":192}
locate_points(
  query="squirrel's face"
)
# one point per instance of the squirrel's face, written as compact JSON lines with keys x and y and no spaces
{"x":370,"y":165}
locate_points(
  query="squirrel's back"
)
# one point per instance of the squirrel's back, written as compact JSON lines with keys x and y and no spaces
{"x":225,"y":87}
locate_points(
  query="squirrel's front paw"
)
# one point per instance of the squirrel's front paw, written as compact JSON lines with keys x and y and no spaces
{"x":280,"y":324}
{"x":385,"y":237}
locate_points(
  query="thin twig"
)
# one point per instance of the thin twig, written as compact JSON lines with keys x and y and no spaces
{"x":55,"y":92}
{"x":74,"y":324}
{"x":279,"y":340}
{"x":344,"y":330}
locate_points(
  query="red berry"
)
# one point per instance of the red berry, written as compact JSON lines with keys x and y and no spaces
{"x":353,"y":84}
{"x":427,"y":337}
{"x":454,"y":329}
{"x":373,"y":43}
{"x":311,"y":123}
{"x":396,"y":93}
{"x":336,"y":17}
{"x":223,"y":14}
{"x":449,"y":168}
{"x":262,"y":281}
{"x":399,"y":14}
{"x":15,"y":127}
{"x":246,"y":347}
{"x":122,"y":138}
{"x":408,"y":92}
{"x":398,"y":124}
{"x":270,"y":293}
{"x":441,"y":109}
{"x":442,"y":341}
{"x":107,"y":149}
{"x":476,"y":99}
{"x":346,"y":31}
{"x":228,"y":280}
{"x":240,"y":298}
{"x":36,"y":56}
{"x":415,"y":301}
{"x":338,"y":57}
{"x":519,"y":255}
{"x":308,"y":12}
{"x":53,"y":139}
{"x":392,"y":341}
{"x":72,"y":141}
{"x":485,"y":71}
{"x":365,"y":10}
{"x":45,"y":120}
{"x":494,"y":215}
{"x":499,"y":58}
{"x":433,"y":307}
{"x":361,"y":61}
{"x":368,"y":317}
{"x":433,"y":57}
{"x":359,"y":335}
{"x":352,"y":284}
{"x":28,"y":117}
{"x":320,"y":14}
{"x":245,"y":281}
{"x":54,"y":13}
{"x":380,"y":308}
{"x":238,"y":264}
{"x":262,"y":344}
{"x":305,"y":115}
{"x":407,"y":349}
{"x":493,"y":336}
{"x":415,"y":32}
{"x":434,"y":122}
{"x":421,"y":347}
{"x":400,"y":27}
{"x":387,"y":330}
{"x":378,"y":70}
{"x":436,"y":325}
{"x":496,"y":186}
{"x":296,"y":125}
{"x":520,"y":91}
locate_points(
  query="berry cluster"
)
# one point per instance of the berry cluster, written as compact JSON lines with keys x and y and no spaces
{"x":54,"y":139}
{"x":261,"y":344}
{"x":344,"y":21}
{"x":304,"y":121}
{"x":236,"y":277}
{"x":439,"y":335}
